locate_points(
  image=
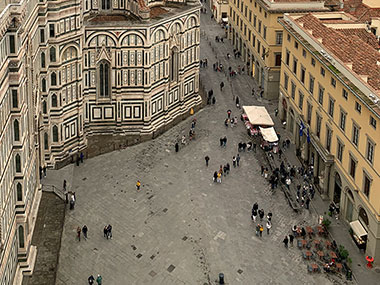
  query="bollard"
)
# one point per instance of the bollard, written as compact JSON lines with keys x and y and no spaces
{"x":221,"y":278}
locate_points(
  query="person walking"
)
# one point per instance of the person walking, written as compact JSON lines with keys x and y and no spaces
{"x":215,"y":176}
{"x":285,"y":241}
{"x":91,"y":280}
{"x":261,"y":230}
{"x":238,"y":160}
{"x":109,"y":231}
{"x":78,"y":233}
{"x":81,"y":157}
{"x":85,"y":230}
{"x":262,"y":170}
{"x":64,"y":185}
{"x":257,"y":229}
{"x":105,"y":232}
{"x":138,"y":184}
{"x":207,"y":159}
{"x":254,"y":215}
{"x":269,"y":226}
{"x":221,"y":86}
{"x":261,"y":214}
{"x":176,"y":147}
{"x":99,"y":279}
{"x":229,"y":113}
{"x":291,"y":239}
{"x":307,"y":202}
{"x":219,"y":177}
{"x":234,"y":161}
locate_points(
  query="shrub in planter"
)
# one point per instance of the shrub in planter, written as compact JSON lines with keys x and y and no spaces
{"x":326,"y":223}
{"x":343,"y":253}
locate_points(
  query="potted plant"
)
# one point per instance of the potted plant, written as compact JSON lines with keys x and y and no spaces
{"x":326,"y":223}
{"x":343,"y":253}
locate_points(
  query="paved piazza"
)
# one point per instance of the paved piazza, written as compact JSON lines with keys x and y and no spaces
{"x":181,"y":228}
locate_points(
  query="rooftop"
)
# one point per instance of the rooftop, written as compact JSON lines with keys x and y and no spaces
{"x":352,"y":46}
{"x":285,"y":6}
{"x":364,"y":10}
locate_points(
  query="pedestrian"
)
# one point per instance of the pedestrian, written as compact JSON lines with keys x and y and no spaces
{"x":105,"y":232}
{"x":229,"y":113}
{"x":109,"y":231}
{"x":85,"y":230}
{"x":238,"y":160}
{"x":207,"y":159}
{"x":72,"y":202}
{"x":81,"y":157}
{"x":176,"y":147}
{"x":258,"y":229}
{"x":307,"y":203}
{"x":221,"y":86}
{"x":266,"y":172}
{"x":138,"y":184}
{"x":269,"y":226}
{"x":64,"y":185}
{"x":228,"y":168}
{"x":78,"y":160}
{"x":288,"y":181}
{"x":255,"y":206}
{"x":99,"y":279}
{"x":291,"y":238}
{"x":234,"y":161}
{"x":213,"y":100}
{"x":254,"y":215}
{"x":78,"y":233}
{"x":237,"y":101}
{"x":219,"y":177}
{"x":262,"y":170}
{"x":269,"y":217}
{"x":285,"y":241}
{"x":91,"y":280}
{"x":261,"y":230}
{"x":261,"y":214}
{"x":44,"y":170}
{"x":276,"y":112}
{"x":254,"y":147}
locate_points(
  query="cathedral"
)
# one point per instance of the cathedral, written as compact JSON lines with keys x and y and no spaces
{"x":84,"y":76}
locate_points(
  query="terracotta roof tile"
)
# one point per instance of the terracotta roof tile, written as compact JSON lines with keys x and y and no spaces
{"x":360,"y":10}
{"x":349,"y":47}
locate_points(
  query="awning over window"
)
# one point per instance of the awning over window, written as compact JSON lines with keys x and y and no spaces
{"x":358,"y":229}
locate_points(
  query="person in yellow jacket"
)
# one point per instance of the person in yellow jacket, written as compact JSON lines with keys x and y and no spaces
{"x":138,"y":184}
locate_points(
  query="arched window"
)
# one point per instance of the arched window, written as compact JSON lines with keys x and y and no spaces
{"x":106,"y":4}
{"x":44,"y":107}
{"x":16,"y":130}
{"x":46,"y":141}
{"x":53,"y":79}
{"x":174,"y":64}
{"x":21,"y":240}
{"x":54,"y":101}
{"x":363,"y":216}
{"x":43,"y":85}
{"x":18,"y":163}
{"x":43,"y":62}
{"x":19,"y":192}
{"x":52,"y":54}
{"x":104,"y":78}
{"x":55,"y":134}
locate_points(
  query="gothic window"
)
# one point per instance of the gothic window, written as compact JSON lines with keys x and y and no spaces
{"x":43,"y":62}
{"x":19,"y":192}
{"x":174,"y":64}
{"x":104,"y":78}
{"x":53,"y":78}
{"x":54,"y":101}
{"x":43,"y":85}
{"x":55,"y":134}
{"x":46,"y":141}
{"x":18,"y":163}
{"x":21,"y":240}
{"x":44,"y":107}
{"x":52,"y":54}
{"x":106,"y":4}
{"x":16,"y":130}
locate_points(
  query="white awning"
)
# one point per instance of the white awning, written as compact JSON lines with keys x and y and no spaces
{"x":225,"y":19}
{"x":258,"y":116}
{"x":269,"y":134}
{"x":358,"y":229}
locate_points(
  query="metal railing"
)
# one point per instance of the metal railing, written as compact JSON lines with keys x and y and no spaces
{"x":51,"y":188}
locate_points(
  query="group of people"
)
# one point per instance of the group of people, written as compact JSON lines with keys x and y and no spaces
{"x":98,"y":279}
{"x":224,"y":170}
{"x":191,"y":135}
{"x":83,"y":230}
{"x":256,"y":212}
{"x":211,"y":97}
{"x":203,"y":62}
{"x":107,"y":232}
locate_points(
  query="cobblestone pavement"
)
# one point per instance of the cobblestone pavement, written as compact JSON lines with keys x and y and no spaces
{"x":181,"y":228}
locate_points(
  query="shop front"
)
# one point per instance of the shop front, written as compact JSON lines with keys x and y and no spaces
{"x":359,"y":234}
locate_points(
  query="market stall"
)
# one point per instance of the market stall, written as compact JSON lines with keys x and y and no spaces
{"x":255,"y":117}
{"x":269,"y":139}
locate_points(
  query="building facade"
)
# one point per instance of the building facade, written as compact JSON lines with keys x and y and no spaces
{"x":219,"y":9}
{"x":255,"y":32}
{"x":84,"y":76}
{"x":330,"y":100}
